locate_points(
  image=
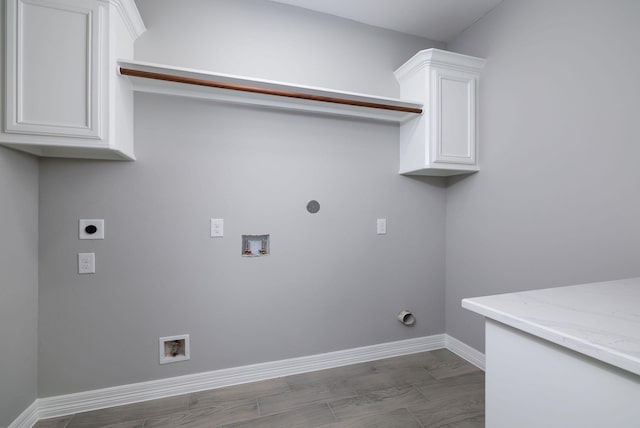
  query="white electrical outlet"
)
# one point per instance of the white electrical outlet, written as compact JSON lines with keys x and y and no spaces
{"x":91,"y":229}
{"x":86,"y":263}
{"x":217,"y":227}
{"x":381,"y":226}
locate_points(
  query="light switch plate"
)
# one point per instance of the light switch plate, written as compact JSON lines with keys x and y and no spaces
{"x":91,"y":229}
{"x":217,"y":228}
{"x":381,"y":226}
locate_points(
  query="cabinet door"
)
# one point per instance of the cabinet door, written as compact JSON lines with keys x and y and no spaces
{"x":454,"y":117}
{"x":54,"y":68}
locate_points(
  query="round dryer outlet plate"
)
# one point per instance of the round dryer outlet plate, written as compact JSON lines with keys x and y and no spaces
{"x":313,"y":206}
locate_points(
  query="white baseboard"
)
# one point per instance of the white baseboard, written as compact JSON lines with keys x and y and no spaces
{"x":62,"y":405}
{"x":127,"y":394}
{"x":465,"y":351}
{"x":28,"y":418}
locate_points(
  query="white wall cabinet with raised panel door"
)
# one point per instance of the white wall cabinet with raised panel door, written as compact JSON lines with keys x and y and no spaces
{"x":443,"y":140}
{"x":63,"y":96}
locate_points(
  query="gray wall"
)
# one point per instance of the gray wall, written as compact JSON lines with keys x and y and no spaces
{"x":556,"y":201}
{"x":18,"y":282}
{"x":274,"y":41}
{"x":330,"y":283}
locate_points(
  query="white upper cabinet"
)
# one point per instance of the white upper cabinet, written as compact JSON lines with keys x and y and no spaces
{"x":63,"y":95}
{"x":443,"y":140}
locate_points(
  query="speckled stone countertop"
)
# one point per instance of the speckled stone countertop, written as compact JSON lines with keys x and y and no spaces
{"x":601,"y":320}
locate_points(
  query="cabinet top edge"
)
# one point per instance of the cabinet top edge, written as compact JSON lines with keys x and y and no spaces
{"x":440,"y":58}
{"x":130,"y":15}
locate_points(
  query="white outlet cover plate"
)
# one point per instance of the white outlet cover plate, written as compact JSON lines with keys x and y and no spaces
{"x":98,"y":223}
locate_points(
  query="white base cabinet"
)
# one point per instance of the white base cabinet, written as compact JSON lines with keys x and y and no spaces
{"x":63,"y":95}
{"x":533,"y":383}
{"x":443,"y":140}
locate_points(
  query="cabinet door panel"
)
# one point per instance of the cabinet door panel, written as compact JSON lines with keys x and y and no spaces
{"x":53,"y":68}
{"x":454,"y":124}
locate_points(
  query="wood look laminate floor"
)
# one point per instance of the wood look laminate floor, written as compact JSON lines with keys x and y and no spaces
{"x":430,"y":389}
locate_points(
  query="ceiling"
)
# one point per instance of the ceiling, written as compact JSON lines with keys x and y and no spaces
{"x":439,"y":20}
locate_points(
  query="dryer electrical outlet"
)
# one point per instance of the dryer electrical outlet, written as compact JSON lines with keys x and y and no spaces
{"x":91,"y":229}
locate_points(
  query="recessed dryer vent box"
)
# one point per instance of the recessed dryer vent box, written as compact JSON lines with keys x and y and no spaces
{"x":255,"y":245}
{"x":174,"y":349}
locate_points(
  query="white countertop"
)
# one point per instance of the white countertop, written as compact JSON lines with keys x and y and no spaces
{"x":601,"y":320}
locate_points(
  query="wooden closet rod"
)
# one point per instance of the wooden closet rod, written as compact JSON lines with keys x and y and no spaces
{"x":257,"y":90}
